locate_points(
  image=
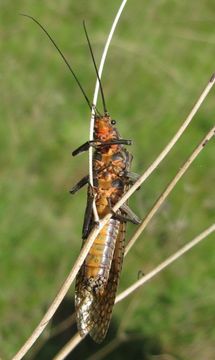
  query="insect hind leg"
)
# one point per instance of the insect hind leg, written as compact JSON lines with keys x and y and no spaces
{"x":125,"y":215}
{"x":130,"y":215}
{"x":132,"y":177}
{"x":88,"y":216}
{"x":134,"y":219}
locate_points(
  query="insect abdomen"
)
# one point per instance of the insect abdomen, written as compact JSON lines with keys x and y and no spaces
{"x":98,"y":261}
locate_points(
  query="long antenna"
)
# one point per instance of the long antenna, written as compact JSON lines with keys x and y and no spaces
{"x":96,"y":69}
{"x":63,"y":57}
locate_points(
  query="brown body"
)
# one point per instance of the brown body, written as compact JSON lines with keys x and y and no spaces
{"x":97,"y":280}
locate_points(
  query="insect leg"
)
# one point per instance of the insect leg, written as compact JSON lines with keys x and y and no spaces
{"x":82,"y":148}
{"x":88,"y":216}
{"x":131,"y":176}
{"x":116,"y":142}
{"x":96,"y":143}
{"x":125,"y":218}
{"x":130,"y":215}
{"x":79,"y":185}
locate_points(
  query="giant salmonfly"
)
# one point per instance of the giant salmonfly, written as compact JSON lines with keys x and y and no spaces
{"x":97,"y":280}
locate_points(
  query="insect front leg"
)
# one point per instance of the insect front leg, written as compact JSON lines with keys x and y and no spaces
{"x":97,"y":144}
{"x":83,"y":147}
{"x":80,"y":184}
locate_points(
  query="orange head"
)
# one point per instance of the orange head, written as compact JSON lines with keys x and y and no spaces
{"x":104,"y":128}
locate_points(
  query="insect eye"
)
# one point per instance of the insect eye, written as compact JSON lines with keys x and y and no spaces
{"x":113,"y":122}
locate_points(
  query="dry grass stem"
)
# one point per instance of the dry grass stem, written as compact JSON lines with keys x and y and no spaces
{"x":67,"y":349}
{"x":77,"y":339}
{"x":107,"y":349}
{"x":60,"y":296}
{"x":48,"y":335}
{"x":167,"y":149}
{"x":169,"y":188}
{"x":166,"y":263}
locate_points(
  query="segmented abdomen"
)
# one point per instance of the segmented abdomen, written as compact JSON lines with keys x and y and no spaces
{"x":98,"y":261}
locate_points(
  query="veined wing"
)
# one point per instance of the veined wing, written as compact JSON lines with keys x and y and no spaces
{"x":102,"y":305}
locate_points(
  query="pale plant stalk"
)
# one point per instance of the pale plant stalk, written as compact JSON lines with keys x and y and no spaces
{"x":69,"y":347}
{"x":59,"y":298}
{"x":169,"y":188}
{"x":70,"y":278}
{"x":108,"y":349}
{"x":95,"y":98}
{"x":124,"y":294}
{"x":165,"y":263}
{"x":170,"y":145}
{"x":56,"y":331}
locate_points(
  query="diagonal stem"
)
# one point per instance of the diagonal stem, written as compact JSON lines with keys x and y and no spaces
{"x":70,"y":345}
{"x":169,"y":188}
{"x":165,"y":264}
{"x":76,"y":339}
{"x":169,"y":146}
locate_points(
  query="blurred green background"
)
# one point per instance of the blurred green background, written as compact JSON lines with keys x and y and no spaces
{"x":161,"y":57}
